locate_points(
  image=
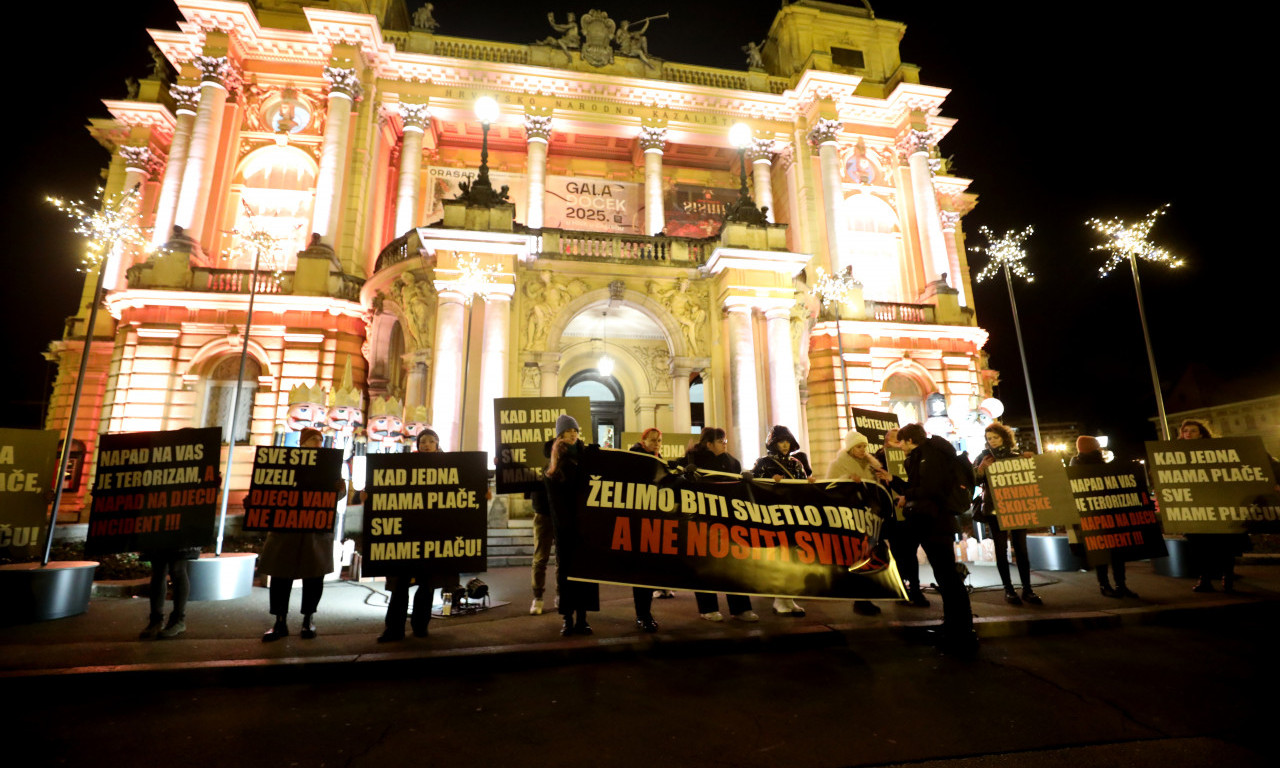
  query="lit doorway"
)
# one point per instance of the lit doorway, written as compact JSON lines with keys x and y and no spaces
{"x":607,"y":416}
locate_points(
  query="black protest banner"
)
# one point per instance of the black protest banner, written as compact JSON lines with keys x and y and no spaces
{"x":294,"y":489}
{"x":1031,"y":492}
{"x":674,"y":444}
{"x":154,"y":491}
{"x":425,"y":513}
{"x":524,"y":425}
{"x":1218,"y":485}
{"x":639,"y":524}
{"x":875,"y":425}
{"x":27,"y":457}
{"x":1117,"y":516}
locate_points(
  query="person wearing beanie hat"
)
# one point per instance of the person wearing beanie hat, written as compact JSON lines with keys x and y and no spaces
{"x":854,"y":463}
{"x":778,"y":463}
{"x":565,"y":423}
{"x":564,"y":478}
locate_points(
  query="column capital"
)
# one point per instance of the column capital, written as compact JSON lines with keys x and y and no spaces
{"x":217,"y":70}
{"x":137,"y":158}
{"x":914,"y":141}
{"x":653,"y":138}
{"x":824,"y":131}
{"x":760,"y":151}
{"x":414,"y":116}
{"x":344,"y":81}
{"x":186,"y":98}
{"x":949,"y":220}
{"x":537,"y":127}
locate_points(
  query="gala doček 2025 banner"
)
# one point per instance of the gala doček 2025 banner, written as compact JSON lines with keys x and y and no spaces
{"x":425,"y":513}
{"x":27,"y":459}
{"x":643,"y":525}
{"x":293,"y":489}
{"x":154,"y":491}
{"x":1219,"y":485}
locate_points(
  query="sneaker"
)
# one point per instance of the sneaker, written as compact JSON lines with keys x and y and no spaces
{"x":646,"y":624}
{"x":663,"y":594}
{"x":1031,"y":598}
{"x":174,"y":628}
{"x":536,"y":608}
{"x":785,"y":606}
{"x":391,"y":636}
{"x":152,"y":631}
{"x":865,"y":608}
{"x":1011,"y":597}
{"x":747,"y":616}
{"x":713,"y":616}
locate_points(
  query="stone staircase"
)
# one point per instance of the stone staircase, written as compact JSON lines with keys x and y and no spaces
{"x":511,"y":545}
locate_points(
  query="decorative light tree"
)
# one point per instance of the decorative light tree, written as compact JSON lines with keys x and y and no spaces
{"x":1125,"y":242}
{"x":1007,"y":255}
{"x":268,"y":250}
{"x":834,"y":289}
{"x":111,"y":229}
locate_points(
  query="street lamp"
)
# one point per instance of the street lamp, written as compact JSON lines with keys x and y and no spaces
{"x":480,"y":191}
{"x":1124,"y":242}
{"x":743,"y":210}
{"x":1007,"y":255}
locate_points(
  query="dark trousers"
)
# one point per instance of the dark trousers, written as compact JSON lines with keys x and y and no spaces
{"x":903,"y":545}
{"x":957,"y":615}
{"x":398,"y":605}
{"x":1019,"y":538}
{"x":643,"y":597}
{"x":1117,"y":566}
{"x":175,"y":568}
{"x":708,"y":602}
{"x":282,"y":587}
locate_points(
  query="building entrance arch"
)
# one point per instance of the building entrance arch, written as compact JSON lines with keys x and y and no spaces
{"x":608,"y":417}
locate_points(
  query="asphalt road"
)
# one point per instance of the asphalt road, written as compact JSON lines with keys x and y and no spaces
{"x":1196,"y":689}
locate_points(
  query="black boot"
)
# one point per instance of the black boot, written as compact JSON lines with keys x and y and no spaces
{"x":581,"y":626}
{"x":279,"y":630}
{"x":567,"y":629}
{"x":308,"y":627}
{"x":154,"y":625}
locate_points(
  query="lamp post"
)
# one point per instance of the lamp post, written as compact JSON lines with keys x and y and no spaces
{"x":114,"y":226}
{"x":743,"y":210}
{"x":481,"y":192}
{"x":1130,"y":243}
{"x":1007,"y":256}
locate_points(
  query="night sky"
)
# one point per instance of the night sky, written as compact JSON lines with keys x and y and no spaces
{"x":1065,"y":112}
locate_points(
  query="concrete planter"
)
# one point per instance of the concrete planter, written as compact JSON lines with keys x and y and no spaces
{"x":1178,"y":563}
{"x":222,"y":578}
{"x":1051,"y":552}
{"x":29,"y":593}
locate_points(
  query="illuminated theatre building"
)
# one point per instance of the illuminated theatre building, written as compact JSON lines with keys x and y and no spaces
{"x":348,"y":122}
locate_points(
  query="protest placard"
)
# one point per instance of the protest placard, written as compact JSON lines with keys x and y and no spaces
{"x":1217,"y":485}
{"x":1031,"y":492}
{"x":27,"y":458}
{"x":294,"y":489}
{"x":524,"y":425}
{"x":1117,"y":515}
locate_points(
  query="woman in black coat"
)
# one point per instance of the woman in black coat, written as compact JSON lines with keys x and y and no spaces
{"x":779,"y":463}
{"x":1002,"y":445}
{"x":564,"y":478}
{"x":712,"y":453}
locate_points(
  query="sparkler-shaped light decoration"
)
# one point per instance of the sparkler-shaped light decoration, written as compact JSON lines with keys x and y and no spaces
{"x":1124,"y":241}
{"x":475,"y":278}
{"x":1130,"y":243}
{"x":1006,"y":251}
{"x":111,"y":225}
{"x":263,"y":250}
{"x":833,"y":288}
{"x":1008,"y":258}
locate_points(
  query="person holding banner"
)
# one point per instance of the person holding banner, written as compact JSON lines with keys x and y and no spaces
{"x":930,"y":480}
{"x":1089,"y":451}
{"x":854,"y":463}
{"x":1213,"y":555}
{"x":779,"y":463}
{"x":564,"y":478}
{"x":650,"y":443}
{"x":711,"y":452}
{"x":306,"y":556}
{"x":1002,"y":445}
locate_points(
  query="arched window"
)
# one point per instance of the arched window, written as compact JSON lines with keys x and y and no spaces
{"x":607,"y":417}
{"x":906,"y":398}
{"x":697,"y":405}
{"x":219,"y":389}
{"x":278,"y":193}
{"x":874,"y":247}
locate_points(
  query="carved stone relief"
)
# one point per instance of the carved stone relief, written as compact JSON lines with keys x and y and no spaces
{"x":687,"y":303}
{"x":417,"y":300}
{"x":544,"y":296}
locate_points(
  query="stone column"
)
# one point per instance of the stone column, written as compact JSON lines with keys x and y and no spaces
{"x":915,"y":145}
{"x":823,"y":136}
{"x":760,"y":155}
{"x":784,"y":392}
{"x":185,"y":98}
{"x":344,"y":90}
{"x":216,"y":77}
{"x":137,"y":164}
{"x":681,"y":418}
{"x":537,"y":132}
{"x":949,"y":220}
{"x":494,"y":360}
{"x":742,"y":372}
{"x":415,"y":118}
{"x":653,"y":141}
{"x":549,"y":366}
{"x":415,"y":387}
{"x":447,"y":394}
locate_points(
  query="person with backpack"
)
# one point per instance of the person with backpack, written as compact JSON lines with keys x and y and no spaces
{"x":932,"y":468}
{"x":1002,"y":445}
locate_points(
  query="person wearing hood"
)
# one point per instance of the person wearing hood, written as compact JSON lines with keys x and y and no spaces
{"x":711,"y":452}
{"x":651,"y":444}
{"x":854,"y":463}
{"x":1001,"y":444}
{"x":1089,"y":451}
{"x":778,"y":463}
{"x":565,"y":477}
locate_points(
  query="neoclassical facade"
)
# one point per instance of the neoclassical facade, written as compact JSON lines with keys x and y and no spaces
{"x":349,"y":133}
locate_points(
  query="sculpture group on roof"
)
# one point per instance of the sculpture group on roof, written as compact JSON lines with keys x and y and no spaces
{"x":596,"y":35}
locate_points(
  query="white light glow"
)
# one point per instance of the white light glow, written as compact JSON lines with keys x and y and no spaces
{"x":1123,"y":241}
{"x":740,"y":135}
{"x":487,"y":109}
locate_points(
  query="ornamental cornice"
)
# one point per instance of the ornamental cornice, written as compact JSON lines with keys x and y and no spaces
{"x":344,"y":80}
{"x":537,"y":127}
{"x":145,"y":114}
{"x":825,"y":131}
{"x":652,"y":137}
{"x":414,"y":115}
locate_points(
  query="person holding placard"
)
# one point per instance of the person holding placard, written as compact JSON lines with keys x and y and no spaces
{"x":778,"y":463}
{"x":1213,"y":555}
{"x":1001,"y":444}
{"x":564,"y":478}
{"x":854,"y":463}
{"x":1089,"y":451}
{"x":306,"y":556}
{"x":711,"y":452}
{"x":169,"y":566}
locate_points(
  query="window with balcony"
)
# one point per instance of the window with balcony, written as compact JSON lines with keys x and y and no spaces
{"x":874,"y":247}
{"x":276,"y":186}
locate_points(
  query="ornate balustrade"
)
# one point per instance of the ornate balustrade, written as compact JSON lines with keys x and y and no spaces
{"x":209,"y":280}
{"x":892,"y":312}
{"x":604,"y":246}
